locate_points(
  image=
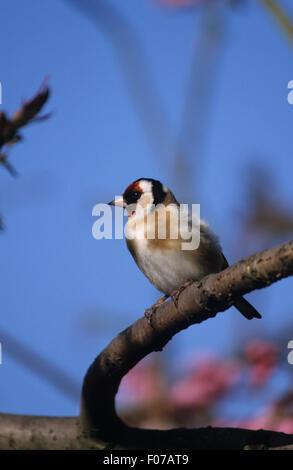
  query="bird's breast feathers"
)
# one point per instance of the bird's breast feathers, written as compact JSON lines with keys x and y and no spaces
{"x":160,"y":256}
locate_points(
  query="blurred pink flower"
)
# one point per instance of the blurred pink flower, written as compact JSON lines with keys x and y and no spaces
{"x":262,"y":357}
{"x":210,"y":379}
{"x":284,"y":425}
{"x":268,"y":419}
{"x":142,"y":384}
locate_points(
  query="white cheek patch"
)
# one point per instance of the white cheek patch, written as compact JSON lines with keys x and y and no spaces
{"x":146,"y":186}
{"x":146,"y":200}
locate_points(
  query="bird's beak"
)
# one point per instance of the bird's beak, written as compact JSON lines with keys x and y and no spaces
{"x":118,"y":201}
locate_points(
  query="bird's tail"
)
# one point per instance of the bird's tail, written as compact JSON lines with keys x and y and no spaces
{"x":246,"y":308}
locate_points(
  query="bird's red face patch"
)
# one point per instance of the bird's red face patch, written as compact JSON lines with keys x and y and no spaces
{"x":133,"y":187}
{"x":131,"y":195}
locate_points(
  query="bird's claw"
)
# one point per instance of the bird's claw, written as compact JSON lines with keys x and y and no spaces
{"x":175,"y":295}
{"x":148,"y":313}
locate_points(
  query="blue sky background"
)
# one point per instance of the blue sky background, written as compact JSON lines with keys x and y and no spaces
{"x":64,"y":294}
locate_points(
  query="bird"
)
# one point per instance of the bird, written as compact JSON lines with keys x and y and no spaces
{"x":168,"y":266}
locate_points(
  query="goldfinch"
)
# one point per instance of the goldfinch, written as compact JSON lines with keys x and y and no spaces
{"x":162,"y":259}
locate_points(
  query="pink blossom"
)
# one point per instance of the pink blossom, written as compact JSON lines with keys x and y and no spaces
{"x":142,"y":384}
{"x":268,"y":419}
{"x":262,"y":358}
{"x":210,"y":379}
{"x":284,"y":425}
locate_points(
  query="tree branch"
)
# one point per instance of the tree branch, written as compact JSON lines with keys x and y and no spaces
{"x":9,"y":127}
{"x":52,"y":433}
{"x":202,"y":300}
{"x":26,"y":114}
{"x":100,"y":427}
{"x":38,"y":432}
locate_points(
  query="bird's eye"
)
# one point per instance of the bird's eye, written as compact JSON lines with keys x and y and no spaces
{"x":131,"y":197}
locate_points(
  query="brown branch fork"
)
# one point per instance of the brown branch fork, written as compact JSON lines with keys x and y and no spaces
{"x":198,"y":302}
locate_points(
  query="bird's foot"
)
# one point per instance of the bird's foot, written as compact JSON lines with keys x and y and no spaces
{"x":150,"y":311}
{"x":175,"y":295}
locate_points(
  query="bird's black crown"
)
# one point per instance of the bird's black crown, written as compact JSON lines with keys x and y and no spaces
{"x":133,"y":192}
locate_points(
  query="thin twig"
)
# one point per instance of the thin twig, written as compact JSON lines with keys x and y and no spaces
{"x":281,"y":16}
